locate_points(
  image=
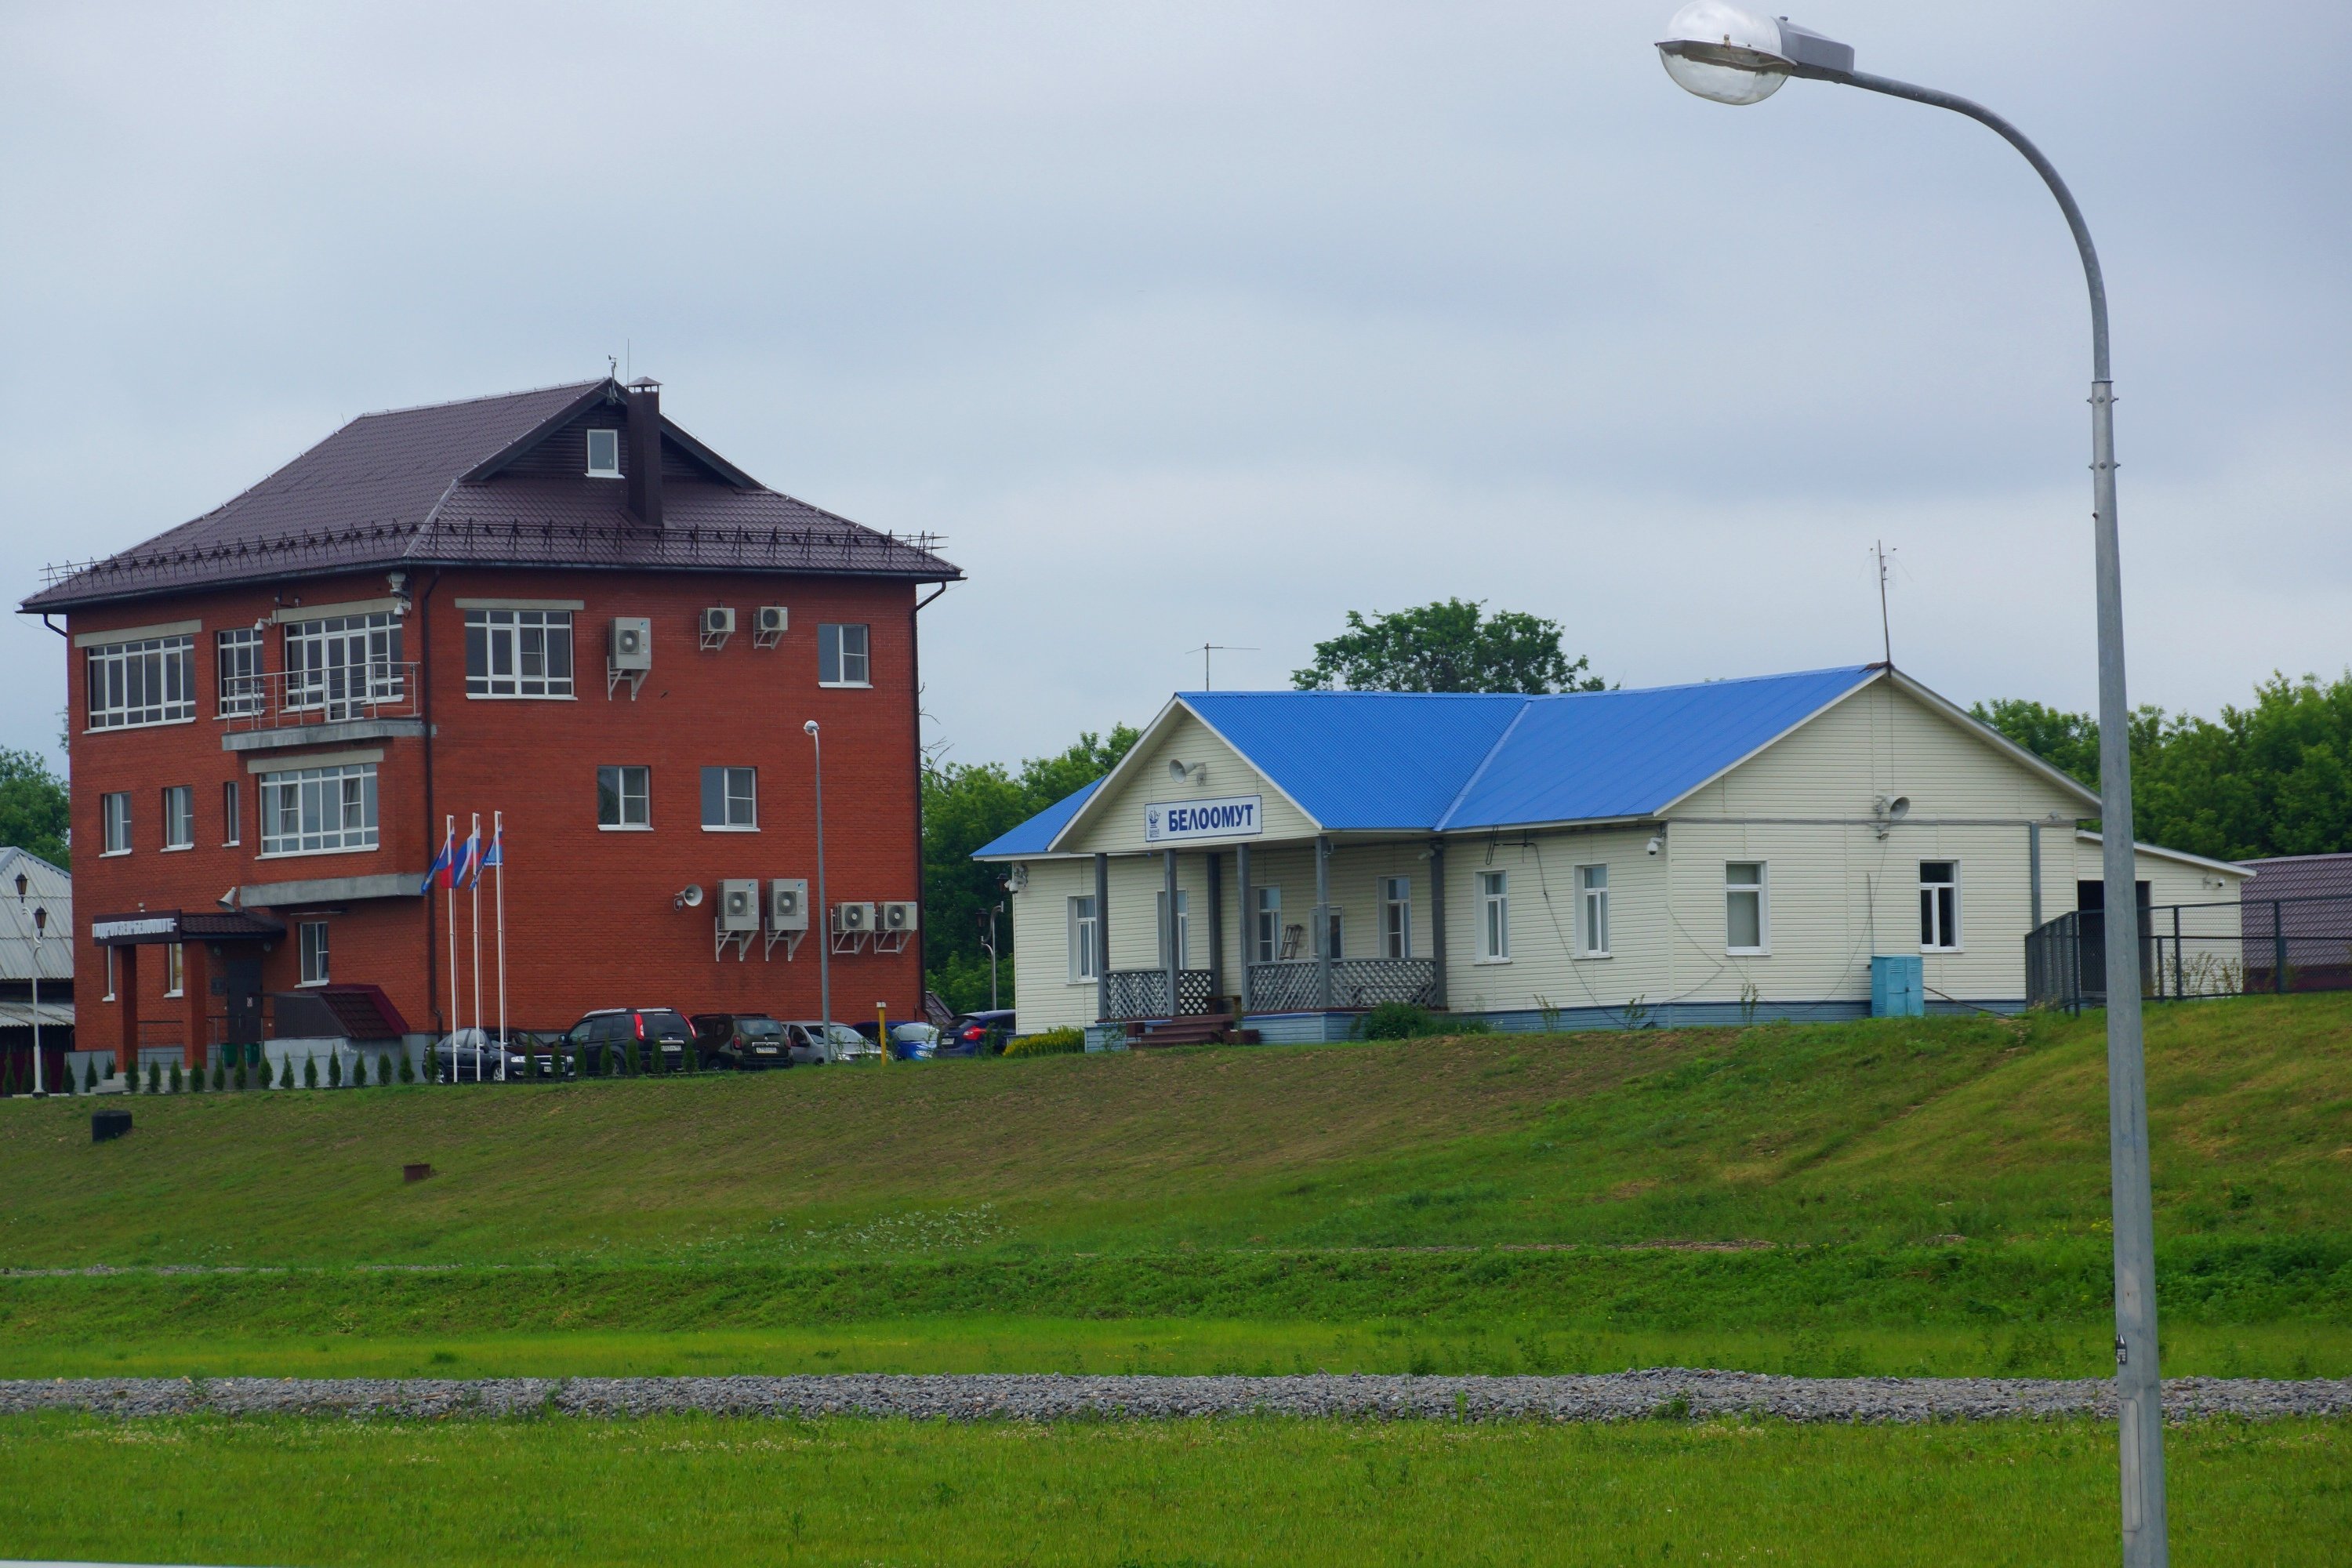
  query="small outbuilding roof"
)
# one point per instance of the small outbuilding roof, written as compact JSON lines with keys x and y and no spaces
{"x":46,"y":887}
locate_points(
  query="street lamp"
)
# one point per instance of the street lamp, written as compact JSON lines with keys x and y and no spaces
{"x":824,"y":929}
{"x":1733,"y":56}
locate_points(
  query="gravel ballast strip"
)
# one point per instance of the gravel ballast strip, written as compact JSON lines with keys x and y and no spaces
{"x":1613,"y":1397}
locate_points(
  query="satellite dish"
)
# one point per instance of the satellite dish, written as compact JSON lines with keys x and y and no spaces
{"x":690,"y":897}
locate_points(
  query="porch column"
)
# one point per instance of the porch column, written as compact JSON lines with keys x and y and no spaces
{"x":1437,"y":918}
{"x":1170,"y":959}
{"x":197,"y":967}
{"x":1323,"y":922}
{"x":1216,"y":922}
{"x":1102,"y":937}
{"x":1248,"y":920}
{"x":126,"y":991}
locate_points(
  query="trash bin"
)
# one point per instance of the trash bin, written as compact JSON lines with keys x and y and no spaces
{"x":106,"y":1124}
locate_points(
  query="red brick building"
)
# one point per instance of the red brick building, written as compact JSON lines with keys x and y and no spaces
{"x":516,"y":605}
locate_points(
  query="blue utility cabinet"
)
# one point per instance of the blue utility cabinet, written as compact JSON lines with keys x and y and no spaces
{"x":1897,"y":986}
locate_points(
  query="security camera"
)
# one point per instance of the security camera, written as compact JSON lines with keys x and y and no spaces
{"x":1657,"y":842}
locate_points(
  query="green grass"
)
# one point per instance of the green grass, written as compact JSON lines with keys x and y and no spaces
{"x":699,"y":1490}
{"x":1895,"y":1195}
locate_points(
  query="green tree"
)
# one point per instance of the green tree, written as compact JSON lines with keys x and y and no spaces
{"x":33,"y":806}
{"x":965,"y":805}
{"x":1451,"y":645}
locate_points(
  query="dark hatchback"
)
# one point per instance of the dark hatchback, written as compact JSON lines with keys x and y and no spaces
{"x":746,"y":1041}
{"x":981,"y":1034}
{"x":600,"y":1042}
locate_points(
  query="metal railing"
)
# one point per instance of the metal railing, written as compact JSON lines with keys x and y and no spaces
{"x":2190,"y":950}
{"x":278,"y":698}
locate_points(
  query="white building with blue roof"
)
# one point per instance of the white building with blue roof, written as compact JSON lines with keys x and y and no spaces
{"x":1729,"y":851}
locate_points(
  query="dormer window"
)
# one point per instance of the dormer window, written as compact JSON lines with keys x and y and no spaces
{"x":604,"y":453}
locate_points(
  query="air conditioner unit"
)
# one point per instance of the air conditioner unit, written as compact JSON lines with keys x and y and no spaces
{"x":773,"y":618}
{"x":853,"y":920}
{"x":788,"y":904}
{"x":894,"y":917}
{"x":632,"y":643}
{"x":739,"y":904}
{"x":719,"y":620}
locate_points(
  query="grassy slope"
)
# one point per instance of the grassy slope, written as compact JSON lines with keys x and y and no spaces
{"x":681,"y":1490}
{"x":1236,"y":1186}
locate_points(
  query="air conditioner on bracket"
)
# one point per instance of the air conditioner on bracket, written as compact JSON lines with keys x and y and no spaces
{"x":788,"y":904}
{"x":774,"y":618}
{"x":632,"y":646}
{"x":739,"y":904}
{"x":853,"y":920}
{"x":895,"y":917}
{"x":719,"y":620}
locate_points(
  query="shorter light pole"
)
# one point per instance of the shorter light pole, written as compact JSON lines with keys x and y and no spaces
{"x":825,"y":921}
{"x":40,"y":928}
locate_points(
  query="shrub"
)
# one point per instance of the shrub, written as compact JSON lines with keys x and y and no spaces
{"x":1465,"y":1024}
{"x":285,"y":1072}
{"x":90,"y":1076}
{"x":634,"y":1065}
{"x":310,"y":1069}
{"x":220,"y":1075}
{"x":383,"y":1069}
{"x":67,"y":1078}
{"x":175,"y":1078}
{"x":241,"y":1075}
{"x":154,"y":1078}
{"x":1397,"y":1021}
{"x":335,"y":1069}
{"x":407,"y":1067}
{"x":1049,"y":1043}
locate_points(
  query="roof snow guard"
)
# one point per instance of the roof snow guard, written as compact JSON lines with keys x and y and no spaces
{"x":481,"y":483}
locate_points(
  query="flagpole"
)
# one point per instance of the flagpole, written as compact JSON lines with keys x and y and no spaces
{"x":449,"y":880}
{"x":473,"y":874}
{"x":498,"y":847}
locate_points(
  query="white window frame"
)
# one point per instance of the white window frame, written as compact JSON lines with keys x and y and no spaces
{"x":643,"y":797}
{"x":315,"y":795}
{"x":1592,"y":910}
{"x":1184,"y":926}
{"x":1080,"y":921}
{"x":164,"y":670}
{"x":1494,"y":917}
{"x":175,"y":969}
{"x":1265,"y":927}
{"x":237,"y":674}
{"x":1761,"y":890}
{"x":509,"y":632}
{"x":109,"y":951}
{"x":232,"y":814}
{"x":342,"y":666}
{"x":179,"y":817}
{"x":1334,"y":931}
{"x":832,"y":648}
{"x":1396,"y":917}
{"x":726,"y":799}
{"x":1953,"y":935}
{"x":113,"y":812}
{"x":614,"y":472}
{"x":317,"y":954}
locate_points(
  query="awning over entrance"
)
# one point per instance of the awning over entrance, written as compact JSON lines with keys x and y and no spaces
{"x":182,"y":925}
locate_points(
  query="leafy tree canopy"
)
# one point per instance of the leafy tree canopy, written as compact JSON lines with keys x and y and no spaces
{"x":1452,"y":645}
{"x":33,"y":809}
{"x":2275,"y":778}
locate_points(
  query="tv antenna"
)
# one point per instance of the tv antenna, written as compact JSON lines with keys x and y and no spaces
{"x":1887,"y":564}
{"x":1206,"y":649}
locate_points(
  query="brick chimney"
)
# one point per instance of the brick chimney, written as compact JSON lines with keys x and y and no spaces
{"x":644,"y":451}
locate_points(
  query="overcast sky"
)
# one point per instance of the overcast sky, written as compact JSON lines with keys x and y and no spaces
{"x":1207,"y":323}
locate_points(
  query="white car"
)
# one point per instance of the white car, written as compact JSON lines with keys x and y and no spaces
{"x":812,"y":1041}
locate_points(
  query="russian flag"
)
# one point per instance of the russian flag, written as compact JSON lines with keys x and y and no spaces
{"x":468,"y":869}
{"x":437,"y":874}
{"x":495,"y":855}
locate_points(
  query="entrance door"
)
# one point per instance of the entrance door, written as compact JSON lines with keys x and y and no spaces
{"x":2091,"y":931}
{"x":241,"y":987}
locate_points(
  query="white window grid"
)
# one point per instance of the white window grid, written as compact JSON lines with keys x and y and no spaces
{"x":232,"y":813}
{"x":841,"y":655}
{"x":315,"y":953}
{"x":114,"y":815}
{"x":1746,"y":907}
{"x":1082,"y":938}
{"x":339,"y":663}
{"x":318,"y":811}
{"x":730,"y":799}
{"x":151,"y":681}
{"x":1939,"y":906}
{"x":604,"y":453}
{"x":1184,"y":926}
{"x":1268,"y":917}
{"x":1592,"y":907}
{"x":519,"y":653}
{"x":1494,"y":917}
{"x":1396,"y":917}
{"x":180,"y":816}
{"x":237,"y":655}
{"x":624,"y":798}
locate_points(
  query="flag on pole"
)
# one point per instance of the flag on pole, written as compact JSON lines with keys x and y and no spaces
{"x":437,"y":874}
{"x":469,"y":869}
{"x":495,"y":855}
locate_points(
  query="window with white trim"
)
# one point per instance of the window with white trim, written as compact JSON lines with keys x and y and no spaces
{"x":175,"y":969}
{"x":624,"y":798}
{"x":841,"y":656}
{"x":151,"y":681}
{"x":604,"y":453}
{"x":1746,"y":908}
{"x":1082,"y":938}
{"x":315,"y":811}
{"x":342,"y":665}
{"x":232,"y":813}
{"x":730,"y":800}
{"x":114,"y":816}
{"x":1592,"y":909}
{"x":1396,"y":917}
{"x":1494,"y":917}
{"x":519,"y":653}
{"x":1184,"y":932}
{"x":1939,"y":906}
{"x":1269,"y":923}
{"x":1335,"y":931}
{"x":180,"y":816}
{"x":108,"y":951}
{"x":313,"y":936}
{"x":237,"y":656}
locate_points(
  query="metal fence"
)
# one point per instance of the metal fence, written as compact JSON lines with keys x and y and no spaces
{"x":2189,"y":951}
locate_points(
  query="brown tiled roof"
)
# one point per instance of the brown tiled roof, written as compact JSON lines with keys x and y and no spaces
{"x":420,"y":486}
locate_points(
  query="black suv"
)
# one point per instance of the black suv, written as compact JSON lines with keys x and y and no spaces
{"x":744,"y":1041}
{"x":600,"y":1042}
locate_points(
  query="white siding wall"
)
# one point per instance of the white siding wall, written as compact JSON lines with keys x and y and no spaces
{"x":1115,"y":822}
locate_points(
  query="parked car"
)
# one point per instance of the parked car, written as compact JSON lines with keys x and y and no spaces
{"x":811,"y":1042}
{"x":981,"y":1034}
{"x":480,"y":1056}
{"x":914,"y":1042}
{"x":743,"y":1041}
{"x":601,"y":1040}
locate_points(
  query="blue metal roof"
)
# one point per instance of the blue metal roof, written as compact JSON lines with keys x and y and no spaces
{"x":1032,"y":837}
{"x":1423,"y":762}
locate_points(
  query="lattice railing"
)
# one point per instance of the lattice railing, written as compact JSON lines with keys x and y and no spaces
{"x":1143,"y":992}
{"x":1369,"y":982}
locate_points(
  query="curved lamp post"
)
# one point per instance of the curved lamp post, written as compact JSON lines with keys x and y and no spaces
{"x":825,"y":920}
{"x":1729,"y":55}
